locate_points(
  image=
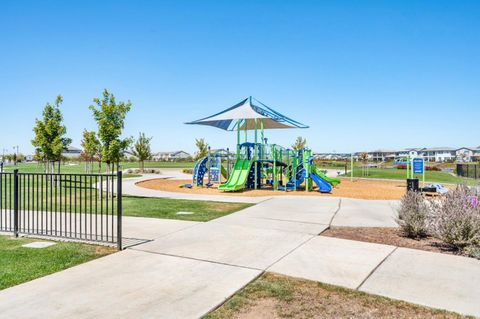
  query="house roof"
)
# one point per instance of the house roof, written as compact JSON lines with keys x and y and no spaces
{"x":384,"y":151}
{"x":430,"y":149}
{"x":72,"y":149}
{"x":171,"y":153}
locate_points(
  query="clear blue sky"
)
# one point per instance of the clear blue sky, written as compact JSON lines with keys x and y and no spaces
{"x":362,"y":74}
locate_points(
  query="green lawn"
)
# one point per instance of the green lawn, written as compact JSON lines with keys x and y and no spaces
{"x":19,"y":264}
{"x":393,"y":173}
{"x":77,"y":167}
{"x":168,"y":208}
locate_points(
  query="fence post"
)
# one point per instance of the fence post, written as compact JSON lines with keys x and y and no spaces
{"x":15,"y":202}
{"x":119,"y":210}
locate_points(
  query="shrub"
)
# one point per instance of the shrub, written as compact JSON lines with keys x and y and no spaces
{"x":456,"y":219}
{"x":413,"y":215}
{"x":427,"y":168}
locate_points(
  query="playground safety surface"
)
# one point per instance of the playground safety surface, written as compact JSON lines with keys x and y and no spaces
{"x":360,"y":189}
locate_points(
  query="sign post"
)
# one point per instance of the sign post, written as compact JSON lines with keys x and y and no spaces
{"x":418,"y":167}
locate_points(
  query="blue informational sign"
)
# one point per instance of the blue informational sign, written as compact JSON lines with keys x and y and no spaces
{"x":417,"y":165}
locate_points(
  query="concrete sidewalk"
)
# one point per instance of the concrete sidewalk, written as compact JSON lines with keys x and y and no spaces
{"x":129,"y":187}
{"x":430,"y":279}
{"x":188,"y":268}
{"x":129,"y":284}
{"x":293,"y":208}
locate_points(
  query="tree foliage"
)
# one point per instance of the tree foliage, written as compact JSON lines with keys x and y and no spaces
{"x":141,"y":149}
{"x":299,"y":144}
{"x":91,"y":147}
{"x":202,"y":148}
{"x":364,"y":156}
{"x":110,"y":117}
{"x":50,"y":140}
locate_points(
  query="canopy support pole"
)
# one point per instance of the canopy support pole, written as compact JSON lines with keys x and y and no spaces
{"x":238,"y":139}
{"x":255,"y":152}
{"x":246,"y":132}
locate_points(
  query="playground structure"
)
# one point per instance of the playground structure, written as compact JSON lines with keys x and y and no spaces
{"x":258,"y":164}
{"x":214,"y":166}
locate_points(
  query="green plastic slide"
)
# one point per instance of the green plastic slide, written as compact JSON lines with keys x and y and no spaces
{"x":332,"y":181}
{"x":238,"y":177}
{"x":223,"y":171}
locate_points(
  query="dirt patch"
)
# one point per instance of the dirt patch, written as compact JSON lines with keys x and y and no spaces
{"x":274,"y":296}
{"x":104,"y":250}
{"x":362,"y":189}
{"x":389,"y":236}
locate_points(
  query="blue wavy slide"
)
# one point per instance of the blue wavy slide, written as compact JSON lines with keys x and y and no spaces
{"x":323,"y":185}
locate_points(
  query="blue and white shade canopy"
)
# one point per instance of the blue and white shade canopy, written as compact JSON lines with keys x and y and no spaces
{"x":246,"y":113}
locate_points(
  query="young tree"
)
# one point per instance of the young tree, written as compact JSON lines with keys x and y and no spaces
{"x":364,"y":156}
{"x":141,"y":150}
{"x":202,"y":148}
{"x":91,"y":148}
{"x":50,"y":140}
{"x":299,"y":144}
{"x":110,"y":118}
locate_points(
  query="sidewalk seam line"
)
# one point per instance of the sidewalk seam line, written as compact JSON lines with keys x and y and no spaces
{"x":375,"y":269}
{"x":198,"y":259}
{"x":335,"y":213}
{"x":288,"y":220}
{"x":290,"y":251}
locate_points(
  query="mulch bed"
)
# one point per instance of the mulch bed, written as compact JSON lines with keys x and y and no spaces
{"x":389,"y":236}
{"x":361,"y":189}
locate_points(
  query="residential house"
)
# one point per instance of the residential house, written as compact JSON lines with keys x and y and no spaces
{"x":71,"y":152}
{"x":438,"y":154}
{"x":171,"y":156}
{"x":382,"y":155}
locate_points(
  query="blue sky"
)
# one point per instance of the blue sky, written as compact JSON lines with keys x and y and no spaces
{"x":361,"y":74}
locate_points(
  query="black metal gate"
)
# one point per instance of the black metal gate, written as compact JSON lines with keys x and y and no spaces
{"x":85,"y":207}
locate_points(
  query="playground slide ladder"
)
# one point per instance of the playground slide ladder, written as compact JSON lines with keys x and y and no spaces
{"x":199,"y":171}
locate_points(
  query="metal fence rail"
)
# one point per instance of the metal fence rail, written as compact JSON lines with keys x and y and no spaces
{"x":468,"y":170}
{"x":85,"y":207}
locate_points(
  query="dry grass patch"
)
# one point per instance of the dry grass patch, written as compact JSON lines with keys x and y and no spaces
{"x":274,"y":296}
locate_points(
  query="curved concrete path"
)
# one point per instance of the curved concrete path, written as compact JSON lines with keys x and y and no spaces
{"x":307,"y":209}
{"x":129,"y":187}
{"x":187,"y":269}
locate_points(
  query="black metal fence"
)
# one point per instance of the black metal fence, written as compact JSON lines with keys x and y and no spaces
{"x":468,"y":170}
{"x":86,"y":207}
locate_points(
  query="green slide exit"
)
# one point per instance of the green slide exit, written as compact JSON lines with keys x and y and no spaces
{"x":238,"y":177}
{"x":332,"y":181}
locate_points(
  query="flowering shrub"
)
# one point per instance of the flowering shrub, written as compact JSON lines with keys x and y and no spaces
{"x":427,"y":168}
{"x":413,"y":215}
{"x":456,"y":219}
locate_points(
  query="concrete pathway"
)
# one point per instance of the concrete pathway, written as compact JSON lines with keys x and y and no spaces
{"x":185,"y":269}
{"x":303,"y":209}
{"x":129,"y":284}
{"x":333,"y":261}
{"x":366,"y":213}
{"x":233,"y":245}
{"x":129,"y":187}
{"x":430,"y":279}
